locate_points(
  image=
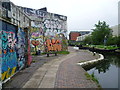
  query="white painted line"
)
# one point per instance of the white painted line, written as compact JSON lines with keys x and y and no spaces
{"x":92,"y":61}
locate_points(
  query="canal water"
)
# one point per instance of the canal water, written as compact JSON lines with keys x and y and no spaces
{"x":107,"y":71}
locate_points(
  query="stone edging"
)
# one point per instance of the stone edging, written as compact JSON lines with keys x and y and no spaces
{"x":92,"y":61}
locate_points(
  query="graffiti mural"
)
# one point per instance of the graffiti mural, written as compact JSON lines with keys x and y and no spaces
{"x":52,"y":25}
{"x":55,"y":28}
{"x":21,"y":48}
{"x":9,"y":56}
{"x":33,"y":12}
{"x":0,"y":56}
{"x":36,"y":39}
{"x":52,"y":45}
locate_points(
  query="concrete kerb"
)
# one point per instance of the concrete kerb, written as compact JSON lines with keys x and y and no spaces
{"x":92,"y":61}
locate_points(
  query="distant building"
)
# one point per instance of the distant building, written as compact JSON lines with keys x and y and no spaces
{"x":74,"y":34}
{"x":81,"y":38}
{"x":115,"y":31}
{"x":119,"y":18}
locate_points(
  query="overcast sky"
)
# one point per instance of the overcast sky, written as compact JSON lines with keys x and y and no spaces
{"x":82,"y":14}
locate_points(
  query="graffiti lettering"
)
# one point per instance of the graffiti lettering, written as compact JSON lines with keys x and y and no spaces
{"x":36,"y":39}
{"x":52,"y":24}
{"x":53,"y":45}
{"x":9,"y":56}
{"x":37,"y":13}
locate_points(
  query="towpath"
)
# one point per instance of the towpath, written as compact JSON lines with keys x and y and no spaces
{"x":57,"y":72}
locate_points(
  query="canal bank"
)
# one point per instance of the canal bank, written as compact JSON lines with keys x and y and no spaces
{"x":106,"y":71}
{"x":63,"y":72}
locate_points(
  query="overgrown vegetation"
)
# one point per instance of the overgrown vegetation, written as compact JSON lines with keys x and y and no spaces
{"x":92,"y":77}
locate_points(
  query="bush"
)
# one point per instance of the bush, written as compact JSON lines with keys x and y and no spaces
{"x":112,"y":40}
{"x":118,"y":41}
{"x":87,"y":40}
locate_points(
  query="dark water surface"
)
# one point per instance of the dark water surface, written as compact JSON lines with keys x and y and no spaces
{"x":107,"y":71}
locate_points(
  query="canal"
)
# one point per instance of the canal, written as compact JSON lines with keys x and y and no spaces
{"x":107,"y":71}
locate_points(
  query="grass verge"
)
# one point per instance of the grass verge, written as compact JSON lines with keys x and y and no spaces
{"x":103,"y":47}
{"x":63,"y":52}
{"x":92,"y":77}
{"x":59,"y":52}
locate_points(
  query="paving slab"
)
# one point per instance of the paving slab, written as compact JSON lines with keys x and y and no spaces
{"x":64,"y":72}
{"x":22,"y":77}
{"x":60,"y":71}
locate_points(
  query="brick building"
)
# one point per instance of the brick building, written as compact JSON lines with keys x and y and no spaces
{"x":73,"y":35}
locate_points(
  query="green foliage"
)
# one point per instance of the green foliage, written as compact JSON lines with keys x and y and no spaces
{"x":118,"y":41}
{"x":59,"y":52}
{"x":92,"y":77}
{"x":101,"y":30}
{"x":87,"y":40}
{"x":43,"y":53}
{"x":73,"y":43}
{"x":64,"y":44}
{"x":103,"y":47}
{"x":33,"y":61}
{"x":112,"y":40}
{"x":63,"y":52}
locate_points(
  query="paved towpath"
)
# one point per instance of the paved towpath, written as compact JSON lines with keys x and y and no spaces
{"x":63,"y":72}
{"x":22,"y":77}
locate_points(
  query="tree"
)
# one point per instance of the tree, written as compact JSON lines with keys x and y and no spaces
{"x":112,"y":40}
{"x":101,"y":31}
{"x":118,"y":41}
{"x":87,"y":40}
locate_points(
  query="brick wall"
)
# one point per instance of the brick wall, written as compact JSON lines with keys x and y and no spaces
{"x":73,"y":35}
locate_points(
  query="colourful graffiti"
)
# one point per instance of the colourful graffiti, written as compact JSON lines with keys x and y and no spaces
{"x":21,"y":48}
{"x":53,"y":45}
{"x":9,"y":56}
{"x":0,"y":53}
{"x":35,"y":42}
{"x":36,"y":39}
{"x":47,"y":26}
{"x":29,"y":60}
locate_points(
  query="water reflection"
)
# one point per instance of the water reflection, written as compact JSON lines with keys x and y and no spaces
{"x":104,"y":65}
{"x":106,"y":70}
